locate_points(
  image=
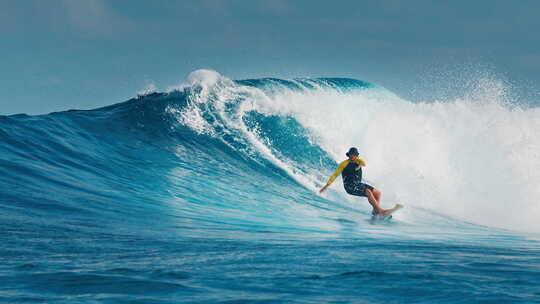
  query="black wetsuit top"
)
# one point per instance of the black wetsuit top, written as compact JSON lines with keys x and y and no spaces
{"x":352,"y":176}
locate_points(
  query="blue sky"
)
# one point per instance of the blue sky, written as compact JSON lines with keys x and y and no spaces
{"x":64,"y":54}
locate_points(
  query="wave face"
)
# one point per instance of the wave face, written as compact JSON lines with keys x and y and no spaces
{"x":169,"y":195}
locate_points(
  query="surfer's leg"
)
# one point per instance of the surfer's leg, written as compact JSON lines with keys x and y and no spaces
{"x":374,"y":197}
{"x":377,"y":195}
{"x":373,"y":202}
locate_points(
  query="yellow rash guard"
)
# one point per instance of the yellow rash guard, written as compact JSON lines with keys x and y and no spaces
{"x":360,"y":161}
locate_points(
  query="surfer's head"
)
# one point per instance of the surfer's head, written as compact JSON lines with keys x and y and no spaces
{"x":353,"y":153}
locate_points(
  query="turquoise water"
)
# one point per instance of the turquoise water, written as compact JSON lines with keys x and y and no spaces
{"x":208,"y":194}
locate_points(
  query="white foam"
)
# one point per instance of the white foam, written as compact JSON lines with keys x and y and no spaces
{"x":202,"y":78}
{"x":474,"y":158}
{"x":149,"y":88}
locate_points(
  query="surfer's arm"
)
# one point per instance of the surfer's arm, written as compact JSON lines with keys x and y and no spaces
{"x":335,"y":175}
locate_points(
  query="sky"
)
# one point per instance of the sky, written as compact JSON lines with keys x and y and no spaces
{"x":68,"y":54}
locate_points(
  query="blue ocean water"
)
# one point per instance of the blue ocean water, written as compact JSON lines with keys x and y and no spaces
{"x":208,"y":194}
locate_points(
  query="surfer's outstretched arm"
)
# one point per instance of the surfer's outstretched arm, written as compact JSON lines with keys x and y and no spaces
{"x":338,"y":171}
{"x":324,"y":188}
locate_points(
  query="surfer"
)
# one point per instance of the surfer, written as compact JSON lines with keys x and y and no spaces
{"x":351,"y":172}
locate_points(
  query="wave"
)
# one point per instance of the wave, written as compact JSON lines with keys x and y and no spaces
{"x":216,"y":154}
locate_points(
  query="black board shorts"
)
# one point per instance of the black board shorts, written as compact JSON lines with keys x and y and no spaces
{"x":358,"y":189}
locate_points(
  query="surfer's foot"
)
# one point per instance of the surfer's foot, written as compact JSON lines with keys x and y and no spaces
{"x":386,"y":212}
{"x":382,"y":212}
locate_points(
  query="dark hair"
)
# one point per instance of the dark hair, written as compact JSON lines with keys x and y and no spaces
{"x":352,"y":151}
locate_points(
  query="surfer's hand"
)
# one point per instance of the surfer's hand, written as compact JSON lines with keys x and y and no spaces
{"x":323,"y":188}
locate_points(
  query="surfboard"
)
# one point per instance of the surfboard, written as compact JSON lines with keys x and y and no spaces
{"x":387,"y":216}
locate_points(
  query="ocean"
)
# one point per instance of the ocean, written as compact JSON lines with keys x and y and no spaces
{"x":208,"y":193}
